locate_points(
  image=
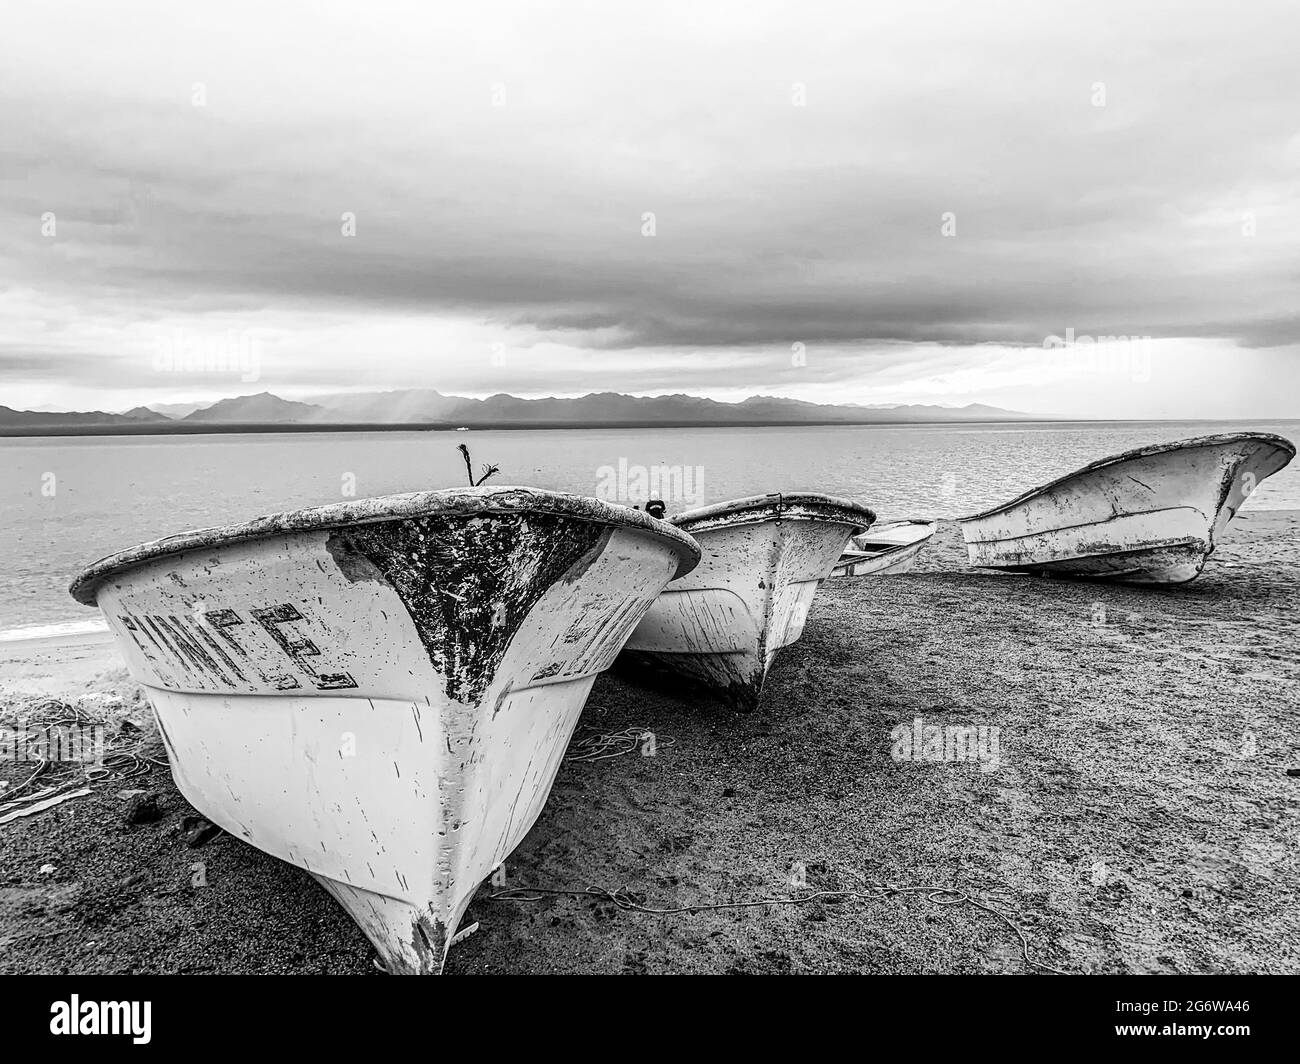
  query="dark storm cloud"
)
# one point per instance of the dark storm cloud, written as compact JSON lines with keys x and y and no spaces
{"x":1097,"y":168}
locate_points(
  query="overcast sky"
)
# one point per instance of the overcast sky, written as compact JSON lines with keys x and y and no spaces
{"x":856,"y":202}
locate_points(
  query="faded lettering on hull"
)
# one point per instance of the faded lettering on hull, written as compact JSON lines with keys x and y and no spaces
{"x":217,"y":649}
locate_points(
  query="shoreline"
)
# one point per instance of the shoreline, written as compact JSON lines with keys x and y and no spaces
{"x":1141,"y":817}
{"x":56,"y":665}
{"x":88,"y":625}
{"x":253,"y":427}
{"x":274,"y":427}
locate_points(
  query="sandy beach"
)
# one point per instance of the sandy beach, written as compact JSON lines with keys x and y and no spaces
{"x":1141,"y":815}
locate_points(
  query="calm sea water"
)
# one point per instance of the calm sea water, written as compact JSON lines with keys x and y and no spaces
{"x":67,"y":501}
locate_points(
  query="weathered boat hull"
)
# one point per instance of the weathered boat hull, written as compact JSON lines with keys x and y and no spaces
{"x":381,"y":692}
{"x":1148,"y":516}
{"x":886,"y":550}
{"x":763,"y":558}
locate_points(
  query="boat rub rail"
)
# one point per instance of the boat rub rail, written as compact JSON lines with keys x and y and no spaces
{"x":1280,"y":442}
{"x":459,"y":502}
{"x":792,"y":505}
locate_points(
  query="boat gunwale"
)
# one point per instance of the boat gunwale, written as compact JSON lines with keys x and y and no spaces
{"x":471,"y":502}
{"x":1280,"y":442}
{"x":931,"y":528}
{"x":755,"y":508}
{"x":1159,"y":544}
{"x":850,"y":558}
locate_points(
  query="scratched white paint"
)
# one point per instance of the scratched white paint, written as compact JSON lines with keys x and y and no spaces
{"x":885,"y":550}
{"x":302,"y":712}
{"x":763,"y":559}
{"x":1149,"y":516}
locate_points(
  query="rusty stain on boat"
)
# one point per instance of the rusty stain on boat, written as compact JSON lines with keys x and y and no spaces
{"x":764,"y":558}
{"x":1151,"y":515}
{"x":381,"y":691}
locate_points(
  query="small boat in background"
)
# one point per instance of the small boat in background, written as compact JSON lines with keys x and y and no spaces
{"x":381,"y":691}
{"x":885,"y":550}
{"x":763,"y":558}
{"x":1147,"y":516}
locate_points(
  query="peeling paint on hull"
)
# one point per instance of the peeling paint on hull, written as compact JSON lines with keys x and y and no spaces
{"x":381,"y":693}
{"x":886,"y":550}
{"x":763,"y":559}
{"x":1148,"y":516}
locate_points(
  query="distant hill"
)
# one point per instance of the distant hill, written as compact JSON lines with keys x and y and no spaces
{"x":261,"y":409}
{"x":426,"y":407}
{"x":409,"y":406}
{"x":176,"y":410}
{"x":613,"y":408}
{"x":71,"y":419}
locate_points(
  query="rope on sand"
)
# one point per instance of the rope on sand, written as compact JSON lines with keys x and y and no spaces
{"x":616,"y":744}
{"x":629,"y":902}
{"x":124,"y":758}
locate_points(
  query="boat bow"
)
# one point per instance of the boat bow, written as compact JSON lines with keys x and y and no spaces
{"x":381,"y":691}
{"x":1151,"y":515}
{"x":764,"y":557}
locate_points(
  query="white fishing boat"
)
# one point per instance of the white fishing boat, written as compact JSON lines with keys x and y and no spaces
{"x":763,"y":558}
{"x":1148,"y":516}
{"x":885,"y":550}
{"x":381,"y":691}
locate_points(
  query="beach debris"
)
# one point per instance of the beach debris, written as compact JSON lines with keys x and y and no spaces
{"x":116,"y":750}
{"x":463,"y":934}
{"x":598,"y":747}
{"x":41,"y":806}
{"x":198,"y":831}
{"x":488,"y":470}
{"x":46,"y":870}
{"x":144,"y":808}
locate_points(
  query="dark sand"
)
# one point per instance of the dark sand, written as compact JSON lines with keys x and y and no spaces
{"x":1141,"y":818}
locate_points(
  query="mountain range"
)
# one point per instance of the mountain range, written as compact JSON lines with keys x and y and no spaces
{"x":431,"y":409}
